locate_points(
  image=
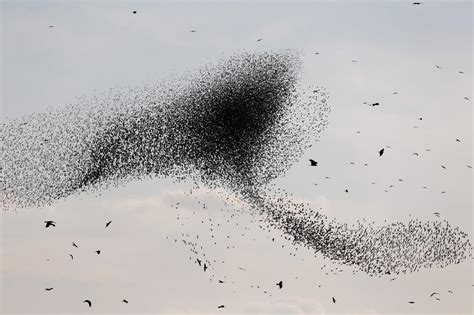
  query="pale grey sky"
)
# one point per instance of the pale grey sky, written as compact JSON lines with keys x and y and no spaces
{"x":97,"y":45}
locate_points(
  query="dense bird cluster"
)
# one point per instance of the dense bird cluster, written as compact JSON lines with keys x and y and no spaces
{"x":240,"y":124}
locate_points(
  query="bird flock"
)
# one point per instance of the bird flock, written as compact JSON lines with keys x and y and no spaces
{"x":239,"y":124}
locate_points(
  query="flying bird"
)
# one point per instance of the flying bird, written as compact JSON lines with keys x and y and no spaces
{"x":436,"y":214}
{"x":108,"y":223}
{"x":205,"y":267}
{"x":260,"y":39}
{"x":416,"y":3}
{"x":442,"y":166}
{"x":411,"y":302}
{"x":193,"y":31}
{"x":220,"y":281}
{"x":433,"y":294}
{"x":374,"y":104}
{"x":124,"y":301}
{"x":333,"y":300}
{"x":221,"y":306}
{"x":50,"y":26}
{"x":415,"y":154}
{"x":438,"y":67}
{"x":48,"y":289}
{"x":381,"y":152}
{"x":72,"y":257}
{"x":134,"y":12}
{"x":313,"y":162}
{"x":280,"y":284}
{"x":74,"y":244}
{"x":347,"y":190}
{"x":88,"y":302}
{"x":461,"y":72}
{"x":198,"y":261}
{"x":50,"y":223}
{"x":466,"y":98}
{"x":98,"y":252}
{"x":457,"y":140}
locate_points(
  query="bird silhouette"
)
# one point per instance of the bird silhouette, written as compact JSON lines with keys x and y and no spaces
{"x":205,"y":267}
{"x":374,"y":104}
{"x":333,"y":300}
{"x":442,"y":166}
{"x":193,"y":31}
{"x":433,"y":294}
{"x":411,"y":302}
{"x":415,"y":154}
{"x":220,"y":281}
{"x":313,"y":162}
{"x":134,"y":12}
{"x":466,"y":98}
{"x":48,"y":289}
{"x":88,"y":302}
{"x":280,"y":284}
{"x":436,"y":214}
{"x":50,"y":223}
{"x":124,"y":301}
{"x":438,"y":67}
{"x":98,"y":252}
{"x":198,"y":261}
{"x":74,"y":244}
{"x":221,"y":306}
{"x":381,"y":152}
{"x":347,"y":190}
{"x":416,"y":3}
{"x":72,"y":257}
{"x":50,"y":26}
{"x":108,"y":223}
{"x":260,"y":39}
{"x":457,"y":140}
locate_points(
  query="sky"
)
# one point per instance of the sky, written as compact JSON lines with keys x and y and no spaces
{"x":98,"y":45}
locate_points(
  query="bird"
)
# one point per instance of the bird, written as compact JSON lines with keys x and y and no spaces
{"x":416,"y":3}
{"x":466,"y":98}
{"x":50,"y":26}
{"x":415,"y":154}
{"x":411,"y":302}
{"x":74,"y":244}
{"x":381,"y":152}
{"x":125,"y":301}
{"x":438,"y":67}
{"x":220,"y":306}
{"x":457,"y":140}
{"x":461,"y":72}
{"x":333,"y":300}
{"x":260,"y":39}
{"x":220,"y":281}
{"x":98,"y":252}
{"x":198,"y":261}
{"x":108,"y":223}
{"x":442,"y":166}
{"x":50,"y":223}
{"x":134,"y":12}
{"x":193,"y":31}
{"x":469,"y":166}
{"x":354,"y":60}
{"x":316,"y":53}
{"x":72,"y":257}
{"x":313,"y":162}
{"x":395,"y":93}
{"x":205,"y":267}
{"x":436,"y":214}
{"x":347,"y":190}
{"x":280,"y":284}
{"x":433,"y":294}
{"x":48,"y":289}
{"x":450,"y":291}
{"x":374,"y":104}
{"x":88,"y":302}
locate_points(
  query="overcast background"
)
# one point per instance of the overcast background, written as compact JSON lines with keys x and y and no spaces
{"x":97,"y":45}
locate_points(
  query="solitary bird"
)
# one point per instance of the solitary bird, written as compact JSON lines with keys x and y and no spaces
{"x":436,"y":214}
{"x":280,"y":284}
{"x":333,"y":300}
{"x":434,"y":294}
{"x":220,"y":281}
{"x":108,"y":223}
{"x":466,"y":98}
{"x":88,"y":302}
{"x":442,"y":166}
{"x":221,"y":306}
{"x":461,"y":72}
{"x":260,"y":39}
{"x":98,"y":252}
{"x":381,"y":152}
{"x":48,"y":289}
{"x":205,"y":267}
{"x":72,"y":257}
{"x":313,"y":162}
{"x":347,"y":190}
{"x":411,"y":302}
{"x":50,"y":26}
{"x":124,"y":301}
{"x":50,"y":223}
{"x":375,"y":104}
{"x":193,"y":31}
{"x":415,"y":154}
{"x":198,"y":261}
{"x":74,"y":244}
{"x":457,"y":140}
{"x":416,"y":3}
{"x":134,"y":12}
{"x":438,"y":67}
